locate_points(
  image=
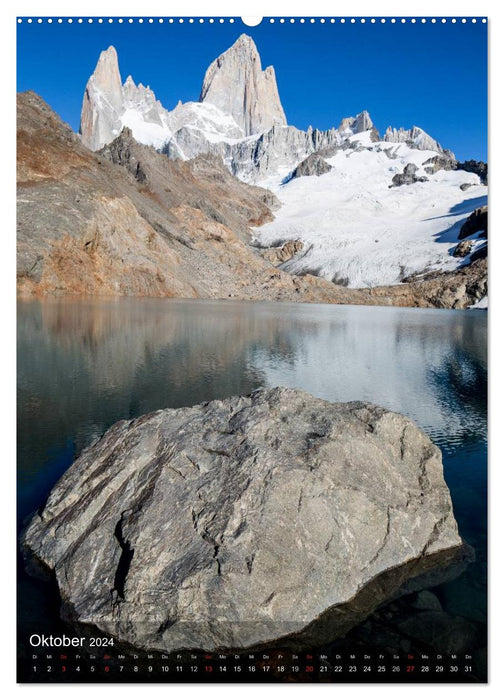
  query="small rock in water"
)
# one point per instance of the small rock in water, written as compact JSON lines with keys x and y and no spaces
{"x":235,"y":523}
{"x":426,"y":600}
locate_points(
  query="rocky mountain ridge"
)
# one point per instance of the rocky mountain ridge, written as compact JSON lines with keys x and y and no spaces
{"x":416,"y":138}
{"x":130,"y":221}
{"x":239,"y":117}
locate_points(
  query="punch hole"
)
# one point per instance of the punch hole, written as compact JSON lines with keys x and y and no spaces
{"x":251,"y":21}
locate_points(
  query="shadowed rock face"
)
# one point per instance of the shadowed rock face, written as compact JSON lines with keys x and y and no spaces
{"x":475,"y":166}
{"x":313,"y":165}
{"x":234,"y":523}
{"x":477,"y":221}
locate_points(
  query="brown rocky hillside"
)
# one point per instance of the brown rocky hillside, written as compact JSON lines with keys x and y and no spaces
{"x":127,"y":220}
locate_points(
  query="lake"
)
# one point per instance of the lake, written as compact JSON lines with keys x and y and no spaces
{"x":83,"y":365}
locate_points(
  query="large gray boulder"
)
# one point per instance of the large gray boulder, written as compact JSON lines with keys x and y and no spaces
{"x":313,"y":165}
{"x":439,"y":162}
{"x":407,"y":177}
{"x":233,"y":523}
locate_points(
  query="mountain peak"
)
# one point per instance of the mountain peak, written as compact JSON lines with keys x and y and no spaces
{"x":244,"y":40}
{"x":106,"y":75}
{"x":109,"y":54}
{"x":356,"y":125}
{"x":364,"y":118}
{"x":416,"y":137}
{"x":244,"y":45}
{"x":236,"y":84}
{"x":103,"y":96}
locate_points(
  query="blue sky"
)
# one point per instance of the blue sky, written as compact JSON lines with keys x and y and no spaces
{"x":430,"y":75}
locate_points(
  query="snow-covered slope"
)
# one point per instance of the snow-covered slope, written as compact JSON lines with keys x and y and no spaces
{"x":356,"y":228}
{"x":359,"y":231}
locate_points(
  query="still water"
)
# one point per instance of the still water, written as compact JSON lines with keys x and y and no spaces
{"x":83,"y":365}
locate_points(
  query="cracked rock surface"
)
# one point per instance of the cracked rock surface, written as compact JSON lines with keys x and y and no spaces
{"x":236,"y":522}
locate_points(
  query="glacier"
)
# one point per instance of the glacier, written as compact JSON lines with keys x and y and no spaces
{"x":356,"y":229}
{"x":360,"y":232}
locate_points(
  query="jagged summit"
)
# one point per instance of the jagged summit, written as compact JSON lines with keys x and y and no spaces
{"x":108,"y":105}
{"x":356,"y":125}
{"x":106,"y":76}
{"x":239,"y":118}
{"x":414,"y":137}
{"x":103,"y":98}
{"x":236,"y":84}
{"x":237,"y":99}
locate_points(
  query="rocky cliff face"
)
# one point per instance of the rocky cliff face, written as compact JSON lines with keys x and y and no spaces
{"x":275,"y":152}
{"x":477,"y":222}
{"x":415,"y":138}
{"x":108,"y":105}
{"x":203,"y":184}
{"x":239,"y":118}
{"x":128,"y":221}
{"x":474,"y":235}
{"x":272,"y":154}
{"x":237,"y":85}
{"x":239,"y":522}
{"x":102,"y":102}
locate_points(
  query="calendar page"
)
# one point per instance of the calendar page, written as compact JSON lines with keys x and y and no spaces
{"x":252,"y":349}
